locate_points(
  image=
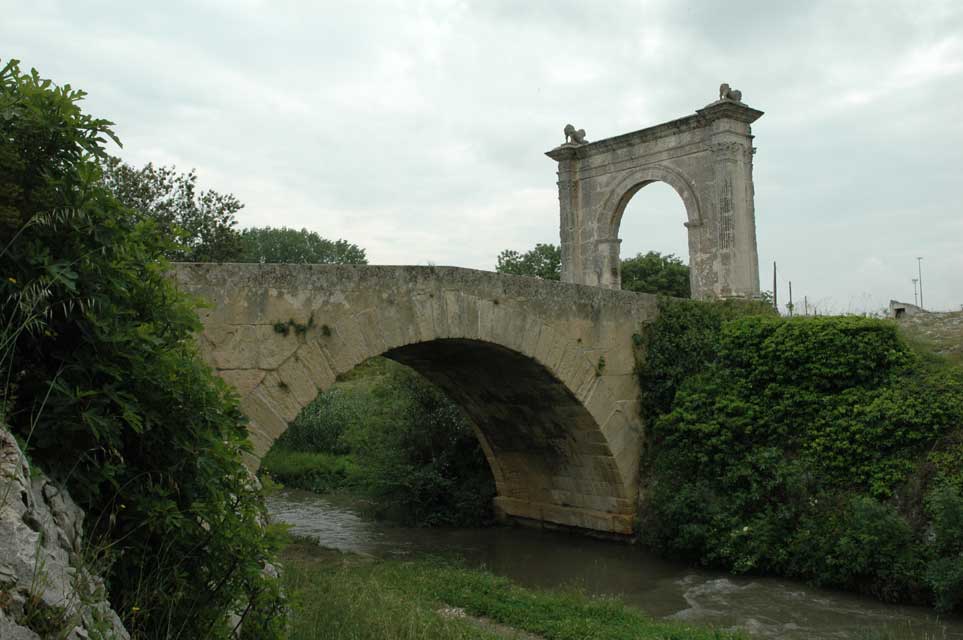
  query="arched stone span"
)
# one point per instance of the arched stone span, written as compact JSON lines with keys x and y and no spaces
{"x":706,"y":158}
{"x":543,"y":369}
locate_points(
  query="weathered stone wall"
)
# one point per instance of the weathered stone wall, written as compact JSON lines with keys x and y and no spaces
{"x":543,"y":369}
{"x":44,"y":584}
{"x":706,"y":158}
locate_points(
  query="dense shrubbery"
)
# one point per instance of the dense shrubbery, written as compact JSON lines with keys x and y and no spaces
{"x":681,"y":343}
{"x":822,"y":448}
{"x":105,"y":389}
{"x":387,"y":432}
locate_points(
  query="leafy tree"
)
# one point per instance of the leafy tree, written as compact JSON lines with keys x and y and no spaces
{"x":283,"y":245}
{"x":33,"y":154}
{"x":202,"y":221}
{"x":653,"y":272}
{"x":106,"y":390}
{"x":544,"y":261}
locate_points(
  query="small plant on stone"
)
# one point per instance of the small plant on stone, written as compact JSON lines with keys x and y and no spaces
{"x":300,"y":328}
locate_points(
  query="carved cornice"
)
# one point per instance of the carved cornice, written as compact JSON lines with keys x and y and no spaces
{"x":564,"y":152}
{"x":729,"y":109}
{"x":702,"y":118}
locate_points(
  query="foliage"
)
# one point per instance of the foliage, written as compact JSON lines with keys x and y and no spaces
{"x":341,"y":596}
{"x":311,"y":470}
{"x":388,"y":432}
{"x":804,"y":447}
{"x":105,"y":387}
{"x":283,"y":245}
{"x":201,"y":221}
{"x":682,"y":342}
{"x":544,"y":261}
{"x":35,"y":156}
{"x":653,"y":272}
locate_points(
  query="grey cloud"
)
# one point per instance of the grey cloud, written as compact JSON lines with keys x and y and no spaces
{"x":417,"y":129}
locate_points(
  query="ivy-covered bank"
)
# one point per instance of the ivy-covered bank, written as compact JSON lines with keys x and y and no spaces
{"x":820,"y":448}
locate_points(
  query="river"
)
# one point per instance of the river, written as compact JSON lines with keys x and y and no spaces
{"x":765,"y":607}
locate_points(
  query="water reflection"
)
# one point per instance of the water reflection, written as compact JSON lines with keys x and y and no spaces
{"x":765,"y":607}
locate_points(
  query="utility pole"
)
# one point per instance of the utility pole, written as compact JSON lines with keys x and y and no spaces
{"x":919,"y":272}
{"x":806,"y":304}
{"x":775,"y":290}
{"x":790,"y":305}
{"x":915,"y":280}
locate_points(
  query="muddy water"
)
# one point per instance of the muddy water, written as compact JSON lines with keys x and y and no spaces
{"x":765,"y":607}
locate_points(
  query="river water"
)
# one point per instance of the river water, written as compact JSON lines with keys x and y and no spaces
{"x":765,"y":607}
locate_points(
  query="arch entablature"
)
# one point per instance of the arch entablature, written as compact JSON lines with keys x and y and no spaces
{"x":705,"y":157}
{"x":544,"y":370}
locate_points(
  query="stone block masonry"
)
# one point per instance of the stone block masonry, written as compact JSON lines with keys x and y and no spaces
{"x":520,"y":355}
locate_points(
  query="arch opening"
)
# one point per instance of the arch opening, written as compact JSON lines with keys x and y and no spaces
{"x":651,"y":223}
{"x":547,"y":455}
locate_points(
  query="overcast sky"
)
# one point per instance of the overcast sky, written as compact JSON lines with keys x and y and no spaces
{"x":417,"y":129}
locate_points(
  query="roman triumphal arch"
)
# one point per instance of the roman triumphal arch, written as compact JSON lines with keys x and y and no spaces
{"x":705,"y":157}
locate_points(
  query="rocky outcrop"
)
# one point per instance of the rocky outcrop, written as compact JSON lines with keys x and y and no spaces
{"x":46,"y":589}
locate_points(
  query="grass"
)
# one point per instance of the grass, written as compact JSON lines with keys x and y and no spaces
{"x":940,"y":333}
{"x":315,"y":471}
{"x":342,"y":597}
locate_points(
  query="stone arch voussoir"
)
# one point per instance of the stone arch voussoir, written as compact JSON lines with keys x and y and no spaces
{"x":610,"y":214}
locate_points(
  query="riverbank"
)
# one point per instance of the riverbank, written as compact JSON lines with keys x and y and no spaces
{"x":766,"y":608}
{"x":340,"y":596}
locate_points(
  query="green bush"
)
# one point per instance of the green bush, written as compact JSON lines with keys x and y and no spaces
{"x":320,"y":425}
{"x":387,"y":432}
{"x":681,"y":343}
{"x":805,"y":447}
{"x":311,"y":470}
{"x":944,"y":573}
{"x":105,"y":386}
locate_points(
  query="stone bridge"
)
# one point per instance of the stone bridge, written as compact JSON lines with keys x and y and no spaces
{"x":544,"y":370}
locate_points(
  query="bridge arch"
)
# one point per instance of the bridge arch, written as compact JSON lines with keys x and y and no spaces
{"x":543,"y":369}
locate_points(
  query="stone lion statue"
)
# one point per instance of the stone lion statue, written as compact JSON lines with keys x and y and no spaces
{"x":573,"y":135}
{"x":726,"y":93}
